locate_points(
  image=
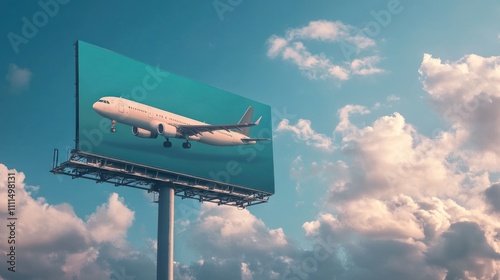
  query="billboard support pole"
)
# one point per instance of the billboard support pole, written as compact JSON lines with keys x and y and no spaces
{"x":165,"y":253}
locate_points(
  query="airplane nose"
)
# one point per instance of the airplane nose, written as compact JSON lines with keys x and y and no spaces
{"x":97,"y":106}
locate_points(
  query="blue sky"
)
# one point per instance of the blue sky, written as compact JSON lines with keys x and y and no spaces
{"x":387,"y":152}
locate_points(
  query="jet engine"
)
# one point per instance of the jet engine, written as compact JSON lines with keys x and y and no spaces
{"x":167,"y":130}
{"x":143,"y":133}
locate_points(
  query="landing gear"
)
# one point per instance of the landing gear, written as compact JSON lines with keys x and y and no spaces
{"x":186,"y":145}
{"x":167,"y":144}
{"x":113,"y":129}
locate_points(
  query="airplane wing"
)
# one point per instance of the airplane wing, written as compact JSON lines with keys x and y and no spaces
{"x":190,"y":130}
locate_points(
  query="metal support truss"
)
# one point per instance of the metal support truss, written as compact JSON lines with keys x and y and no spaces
{"x":121,"y":173}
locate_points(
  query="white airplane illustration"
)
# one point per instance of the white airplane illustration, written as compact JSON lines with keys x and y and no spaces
{"x":149,"y":122}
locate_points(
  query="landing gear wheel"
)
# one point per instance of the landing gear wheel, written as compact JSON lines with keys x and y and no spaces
{"x":113,"y":129}
{"x":186,"y":145}
{"x":167,"y":144}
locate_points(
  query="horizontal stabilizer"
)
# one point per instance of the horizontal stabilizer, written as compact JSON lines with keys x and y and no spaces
{"x":258,"y":120}
{"x":255,"y":139}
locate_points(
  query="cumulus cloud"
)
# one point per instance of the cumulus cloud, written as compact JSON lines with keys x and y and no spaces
{"x":396,"y":196}
{"x":403,"y":197}
{"x":302,"y":131}
{"x":229,"y":242}
{"x":365,"y":66}
{"x":18,"y":78}
{"x":54,"y":243}
{"x":467,"y":95}
{"x":391,"y":156}
{"x":344,"y":113}
{"x":464,"y":245}
{"x":234,"y":244}
{"x":276,"y":45}
{"x":74,"y":263}
{"x":227,"y":229}
{"x":110,"y":221}
{"x":335,"y":31}
{"x":291,"y":48}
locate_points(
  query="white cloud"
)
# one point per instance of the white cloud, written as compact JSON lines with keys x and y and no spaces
{"x":54,"y":243}
{"x":392,"y":98}
{"x":18,"y":78}
{"x":334,"y":31}
{"x":226,"y":229}
{"x":276,"y":44}
{"x":303,"y":131}
{"x":345,"y":112}
{"x":318,"y":66}
{"x":234,"y":244}
{"x":431,"y":234}
{"x":339,"y":72}
{"x":110,"y":221}
{"x":393,"y":157}
{"x":382,"y":219}
{"x":74,"y":263}
{"x":467,"y":95}
{"x":366,"y":66}
{"x":311,"y":64}
{"x":246,"y":273}
{"x":321,"y":30}
{"x":404,"y":197}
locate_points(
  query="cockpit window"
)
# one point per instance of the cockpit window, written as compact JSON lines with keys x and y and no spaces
{"x":103,"y":101}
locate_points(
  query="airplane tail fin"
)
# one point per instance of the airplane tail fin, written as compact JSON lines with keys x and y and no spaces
{"x":247,"y":118}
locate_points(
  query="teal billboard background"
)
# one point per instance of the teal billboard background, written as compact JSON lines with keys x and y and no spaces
{"x":101,"y":72}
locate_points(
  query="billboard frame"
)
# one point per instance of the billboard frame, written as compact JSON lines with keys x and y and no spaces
{"x":242,"y":187}
{"x":77,"y":98}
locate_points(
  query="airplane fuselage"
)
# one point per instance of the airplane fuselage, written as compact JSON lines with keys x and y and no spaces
{"x":150,"y":122}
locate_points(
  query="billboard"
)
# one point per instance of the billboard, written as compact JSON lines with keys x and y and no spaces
{"x":139,"y":113}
